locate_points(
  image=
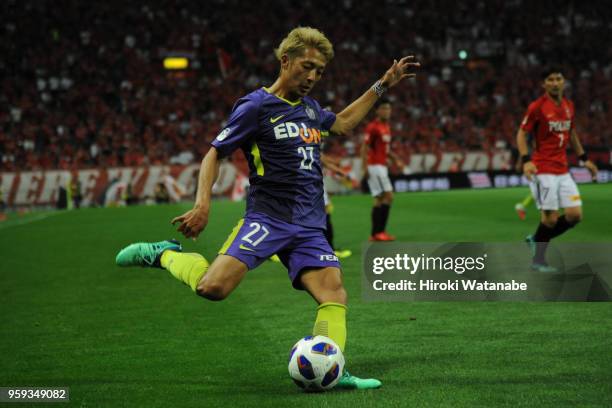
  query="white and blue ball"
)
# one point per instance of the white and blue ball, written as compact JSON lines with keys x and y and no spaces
{"x":316,"y":363}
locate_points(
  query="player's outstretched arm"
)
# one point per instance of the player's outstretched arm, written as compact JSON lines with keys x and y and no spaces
{"x":577,"y":146}
{"x":356,"y":111}
{"x":529,"y":168}
{"x":194,"y":221}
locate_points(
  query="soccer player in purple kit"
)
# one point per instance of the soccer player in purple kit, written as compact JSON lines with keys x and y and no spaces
{"x":279,"y":129}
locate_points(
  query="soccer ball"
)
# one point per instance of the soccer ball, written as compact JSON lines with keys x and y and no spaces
{"x":316,"y":363}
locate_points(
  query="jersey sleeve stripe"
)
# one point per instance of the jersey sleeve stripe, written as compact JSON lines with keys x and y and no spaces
{"x":257,"y":159}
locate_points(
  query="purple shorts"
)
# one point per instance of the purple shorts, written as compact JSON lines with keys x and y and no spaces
{"x":258,"y":236}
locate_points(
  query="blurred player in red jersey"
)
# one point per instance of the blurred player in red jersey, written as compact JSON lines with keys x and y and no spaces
{"x":374,"y":155}
{"x":550,"y":119}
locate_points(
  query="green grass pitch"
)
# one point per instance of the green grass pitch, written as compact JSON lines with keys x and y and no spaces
{"x":137,"y":338}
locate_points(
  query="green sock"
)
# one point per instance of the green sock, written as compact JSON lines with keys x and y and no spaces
{"x":186,"y":267}
{"x":331,"y":322}
{"x":527,"y":201}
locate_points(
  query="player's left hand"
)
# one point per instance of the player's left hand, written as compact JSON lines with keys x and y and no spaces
{"x":592,"y":168}
{"x":399,"y":71}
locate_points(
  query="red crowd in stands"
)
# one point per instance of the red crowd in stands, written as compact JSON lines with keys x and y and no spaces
{"x":82,"y":84}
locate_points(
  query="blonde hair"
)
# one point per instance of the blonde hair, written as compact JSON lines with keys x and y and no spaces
{"x":300,"y":38}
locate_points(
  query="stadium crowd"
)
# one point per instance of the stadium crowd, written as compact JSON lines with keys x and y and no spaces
{"x":83,"y":85}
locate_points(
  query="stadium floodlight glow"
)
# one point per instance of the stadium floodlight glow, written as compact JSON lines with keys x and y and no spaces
{"x":176,"y":63}
{"x":463,"y":54}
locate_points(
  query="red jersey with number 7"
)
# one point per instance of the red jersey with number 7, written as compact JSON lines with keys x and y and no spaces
{"x":550,"y":124}
{"x":377,"y":138}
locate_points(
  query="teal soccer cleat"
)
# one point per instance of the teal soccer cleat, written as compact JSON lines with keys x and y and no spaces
{"x":350,"y":382}
{"x":146,"y":253}
{"x":538,"y":266}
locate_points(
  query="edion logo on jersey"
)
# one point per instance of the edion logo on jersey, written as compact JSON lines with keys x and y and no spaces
{"x":559,"y":126}
{"x":290,"y":129}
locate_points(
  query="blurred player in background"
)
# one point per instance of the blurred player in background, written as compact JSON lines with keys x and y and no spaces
{"x":279,"y":130}
{"x":521,"y":206}
{"x":551,"y":120}
{"x":375,"y":153}
{"x":333,"y":166}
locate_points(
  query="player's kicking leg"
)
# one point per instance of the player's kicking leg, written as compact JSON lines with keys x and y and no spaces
{"x":213,"y":282}
{"x":253,"y":240}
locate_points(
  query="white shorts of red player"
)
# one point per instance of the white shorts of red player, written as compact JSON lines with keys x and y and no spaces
{"x":378,"y":179}
{"x":554,"y":191}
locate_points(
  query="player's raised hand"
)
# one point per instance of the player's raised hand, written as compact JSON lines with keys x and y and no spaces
{"x":192,"y":222}
{"x":529,"y":169}
{"x":400,"y":70}
{"x":592,"y":168}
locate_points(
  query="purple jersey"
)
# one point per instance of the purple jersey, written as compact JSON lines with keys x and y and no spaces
{"x":281,"y":141}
